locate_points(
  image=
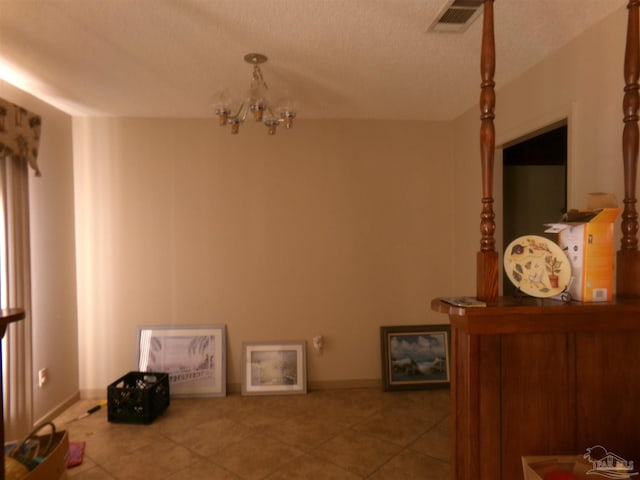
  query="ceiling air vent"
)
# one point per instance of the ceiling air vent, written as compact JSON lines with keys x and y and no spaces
{"x":457,"y":16}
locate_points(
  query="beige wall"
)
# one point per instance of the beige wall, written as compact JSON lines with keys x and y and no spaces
{"x":582,"y":82}
{"x":333,"y":229}
{"x":54,"y":315}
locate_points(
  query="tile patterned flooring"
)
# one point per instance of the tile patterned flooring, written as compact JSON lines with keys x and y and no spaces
{"x":325,"y":435}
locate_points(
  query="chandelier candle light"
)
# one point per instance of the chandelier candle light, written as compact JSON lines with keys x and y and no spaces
{"x":256,"y":102}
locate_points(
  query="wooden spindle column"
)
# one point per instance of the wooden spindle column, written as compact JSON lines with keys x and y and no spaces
{"x":628,"y":257}
{"x":487,"y":258}
{"x":7,"y":316}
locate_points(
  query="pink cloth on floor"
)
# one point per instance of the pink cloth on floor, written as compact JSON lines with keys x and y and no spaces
{"x":76,"y":452}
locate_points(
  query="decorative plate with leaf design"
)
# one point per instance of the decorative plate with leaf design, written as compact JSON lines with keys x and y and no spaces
{"x":537,"y":266}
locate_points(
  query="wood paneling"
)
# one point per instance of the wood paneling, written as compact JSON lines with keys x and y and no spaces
{"x":537,"y":398}
{"x":537,"y":377}
{"x":608,"y":391}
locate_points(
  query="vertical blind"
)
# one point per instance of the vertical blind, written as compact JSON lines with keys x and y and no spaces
{"x":19,"y":142}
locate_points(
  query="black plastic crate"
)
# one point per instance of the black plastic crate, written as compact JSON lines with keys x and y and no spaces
{"x":138,"y":397}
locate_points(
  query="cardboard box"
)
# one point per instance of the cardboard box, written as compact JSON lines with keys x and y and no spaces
{"x":536,"y":467}
{"x":54,"y":465}
{"x":587,"y":239}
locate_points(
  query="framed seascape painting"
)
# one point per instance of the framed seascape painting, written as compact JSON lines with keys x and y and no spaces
{"x":193,"y":356}
{"x":274,"y":368}
{"x":415,"y":357}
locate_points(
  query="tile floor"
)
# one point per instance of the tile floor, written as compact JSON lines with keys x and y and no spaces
{"x":323,"y":435}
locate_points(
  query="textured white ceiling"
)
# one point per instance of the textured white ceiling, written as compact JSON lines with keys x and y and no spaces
{"x":339,"y":58}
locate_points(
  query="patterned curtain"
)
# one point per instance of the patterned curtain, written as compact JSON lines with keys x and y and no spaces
{"x":19,"y":133}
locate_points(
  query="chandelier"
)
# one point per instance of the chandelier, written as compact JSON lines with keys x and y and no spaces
{"x":257,"y":102}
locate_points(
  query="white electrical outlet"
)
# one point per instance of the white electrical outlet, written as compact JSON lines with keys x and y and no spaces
{"x":43,"y":376}
{"x":318,"y":343}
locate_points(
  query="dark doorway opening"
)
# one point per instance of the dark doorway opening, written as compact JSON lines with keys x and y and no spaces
{"x":534,"y":186}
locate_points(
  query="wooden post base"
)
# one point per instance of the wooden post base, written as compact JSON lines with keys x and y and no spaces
{"x":487,"y":276}
{"x":628,"y":274}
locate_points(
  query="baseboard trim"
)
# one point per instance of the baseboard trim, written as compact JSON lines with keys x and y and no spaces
{"x":344,"y":384}
{"x":324,"y":385}
{"x":57,"y":411}
{"x":233,"y":388}
{"x":93,"y":394}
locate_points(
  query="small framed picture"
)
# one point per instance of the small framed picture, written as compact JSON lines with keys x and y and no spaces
{"x":274,"y":368}
{"x":415,"y":357}
{"x":193,"y":356}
